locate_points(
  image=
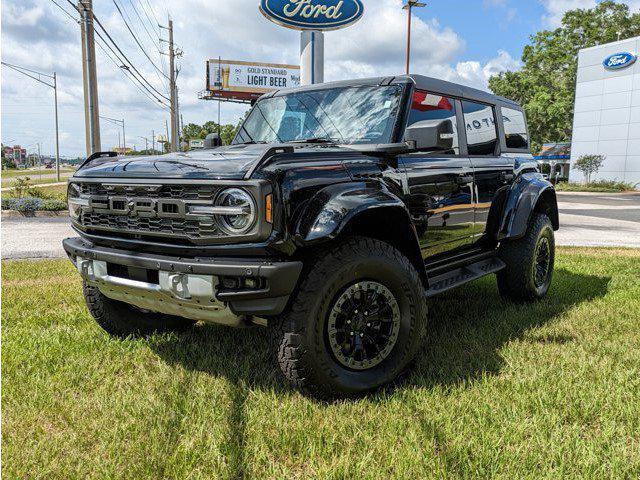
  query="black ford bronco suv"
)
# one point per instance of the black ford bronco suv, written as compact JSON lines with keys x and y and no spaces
{"x":336,"y":213}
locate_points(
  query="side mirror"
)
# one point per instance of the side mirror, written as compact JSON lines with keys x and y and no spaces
{"x":431,"y":135}
{"x":212,"y":140}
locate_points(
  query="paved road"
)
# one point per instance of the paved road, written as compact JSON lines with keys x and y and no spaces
{"x":39,"y":237}
{"x":599,"y":220}
{"x":586,"y":220}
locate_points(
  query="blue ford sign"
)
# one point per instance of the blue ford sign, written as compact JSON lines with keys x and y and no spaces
{"x":313,"y":14}
{"x":619,"y":60}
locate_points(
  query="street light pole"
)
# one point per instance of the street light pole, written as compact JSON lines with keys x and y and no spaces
{"x":409,"y":8}
{"x":32,"y":74}
{"x":55,"y":97}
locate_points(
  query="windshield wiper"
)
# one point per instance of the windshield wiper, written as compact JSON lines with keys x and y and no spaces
{"x":315,"y":140}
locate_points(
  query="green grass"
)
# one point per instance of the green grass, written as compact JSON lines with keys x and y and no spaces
{"x":602,"y":186}
{"x":550,"y":390}
{"x":13,"y":173}
{"x":48,"y":176}
{"x":55,"y":191}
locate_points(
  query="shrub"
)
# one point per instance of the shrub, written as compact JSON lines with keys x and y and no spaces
{"x":8,"y":203}
{"x":27,"y":205}
{"x":20,"y":186}
{"x":36,"y":192}
{"x":53,"y":205}
{"x":589,"y":164}
{"x":599,"y":186}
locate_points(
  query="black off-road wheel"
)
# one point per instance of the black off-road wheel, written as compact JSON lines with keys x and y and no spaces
{"x":356,"y":322}
{"x":122,"y":320}
{"x":530,"y":262}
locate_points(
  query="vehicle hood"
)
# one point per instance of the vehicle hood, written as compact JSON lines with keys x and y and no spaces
{"x":230,"y":162}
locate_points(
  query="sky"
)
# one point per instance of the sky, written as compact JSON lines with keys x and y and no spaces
{"x":464,"y":41}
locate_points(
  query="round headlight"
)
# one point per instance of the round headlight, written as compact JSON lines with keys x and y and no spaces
{"x":238,"y":211}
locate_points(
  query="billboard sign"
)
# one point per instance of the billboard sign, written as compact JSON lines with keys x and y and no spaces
{"x":240,"y":80}
{"x":619,"y":60}
{"x":313,"y":14}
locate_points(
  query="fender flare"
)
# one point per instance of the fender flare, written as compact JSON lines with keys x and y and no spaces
{"x":332,"y":208}
{"x":530,"y":193}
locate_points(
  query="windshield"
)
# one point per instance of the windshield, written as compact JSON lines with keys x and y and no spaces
{"x":351,"y":115}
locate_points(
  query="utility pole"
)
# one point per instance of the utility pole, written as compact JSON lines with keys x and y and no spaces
{"x":174,"y":93}
{"x":146,"y":143}
{"x":32,"y":74}
{"x":120,"y":123}
{"x":92,"y":113}
{"x":166,"y":126}
{"x":153,"y":141}
{"x":409,"y":6}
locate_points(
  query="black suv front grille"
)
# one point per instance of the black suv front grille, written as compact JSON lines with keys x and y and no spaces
{"x":137,"y":225}
{"x":180,"y":192}
{"x":147,"y":210}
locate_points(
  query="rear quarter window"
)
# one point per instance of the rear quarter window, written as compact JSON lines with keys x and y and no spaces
{"x":515,"y":129}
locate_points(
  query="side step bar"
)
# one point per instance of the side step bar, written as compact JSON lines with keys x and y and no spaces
{"x":459,"y":276}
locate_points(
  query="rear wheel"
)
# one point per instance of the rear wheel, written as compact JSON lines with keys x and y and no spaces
{"x":356,"y":322}
{"x":529,"y":262}
{"x":121,"y":320}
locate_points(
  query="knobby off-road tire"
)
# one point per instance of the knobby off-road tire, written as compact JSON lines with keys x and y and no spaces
{"x":530,"y":262}
{"x":122,"y":320}
{"x":305,"y":352}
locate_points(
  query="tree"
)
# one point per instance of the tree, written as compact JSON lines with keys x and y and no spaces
{"x":589,"y":164}
{"x":192,"y":131}
{"x":546,"y":84}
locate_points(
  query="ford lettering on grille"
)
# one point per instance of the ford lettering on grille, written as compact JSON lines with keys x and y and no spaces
{"x":139,"y":207}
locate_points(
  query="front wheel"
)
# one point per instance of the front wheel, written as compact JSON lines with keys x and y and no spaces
{"x":529,"y":262}
{"x":356,"y":322}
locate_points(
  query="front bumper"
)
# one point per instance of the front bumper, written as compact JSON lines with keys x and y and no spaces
{"x":187,"y":287}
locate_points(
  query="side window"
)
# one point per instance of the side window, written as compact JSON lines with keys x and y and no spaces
{"x":433,"y":110}
{"x":515,"y":129}
{"x":480,"y":124}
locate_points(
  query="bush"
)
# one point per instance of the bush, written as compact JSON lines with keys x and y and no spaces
{"x":8,"y":203}
{"x":53,"y":205}
{"x":20,"y":187}
{"x":603,"y":186}
{"x":27,"y":205}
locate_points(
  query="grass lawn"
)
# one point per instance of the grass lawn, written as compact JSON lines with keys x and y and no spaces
{"x":13,"y":173}
{"x":550,"y":390}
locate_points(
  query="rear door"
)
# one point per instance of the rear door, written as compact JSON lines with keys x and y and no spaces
{"x":440,"y":184}
{"x":492,"y":170}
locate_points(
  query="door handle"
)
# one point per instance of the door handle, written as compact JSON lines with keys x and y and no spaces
{"x":464,"y":179}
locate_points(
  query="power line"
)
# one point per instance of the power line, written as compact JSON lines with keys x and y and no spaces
{"x":136,"y":38}
{"x":133,"y":79}
{"x":131,"y":65}
{"x":155,"y":41}
{"x":67,"y":13}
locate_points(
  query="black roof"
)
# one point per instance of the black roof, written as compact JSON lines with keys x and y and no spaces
{"x":423,"y":83}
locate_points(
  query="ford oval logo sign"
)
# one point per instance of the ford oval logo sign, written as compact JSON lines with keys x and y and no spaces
{"x":313,"y":14}
{"x":619,"y":60}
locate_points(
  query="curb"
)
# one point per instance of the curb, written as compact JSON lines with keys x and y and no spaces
{"x":16,"y":214}
{"x":600,"y":194}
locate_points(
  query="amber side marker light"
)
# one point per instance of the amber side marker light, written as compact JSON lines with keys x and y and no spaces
{"x":269,"y":208}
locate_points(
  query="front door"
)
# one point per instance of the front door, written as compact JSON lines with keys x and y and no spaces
{"x":440,"y":201}
{"x":440,"y":183}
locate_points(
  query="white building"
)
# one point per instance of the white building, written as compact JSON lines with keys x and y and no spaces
{"x":607,"y":110}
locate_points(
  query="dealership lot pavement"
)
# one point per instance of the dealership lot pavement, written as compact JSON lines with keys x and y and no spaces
{"x":590,"y":220}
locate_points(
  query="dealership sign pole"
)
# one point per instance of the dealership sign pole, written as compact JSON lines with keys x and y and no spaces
{"x":313,"y":18}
